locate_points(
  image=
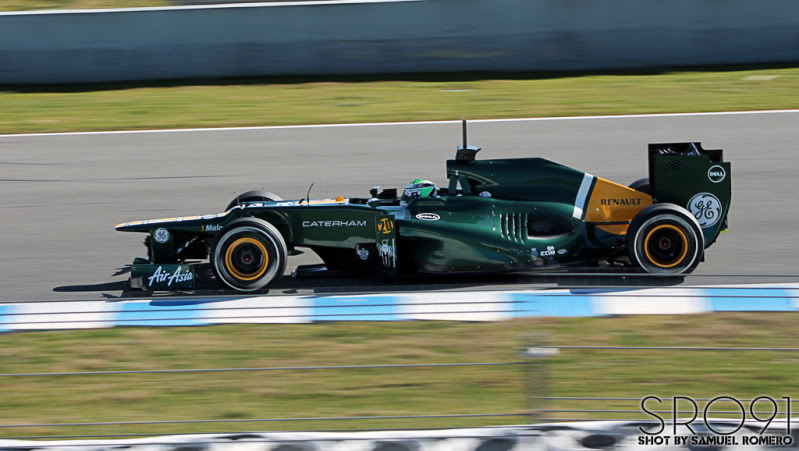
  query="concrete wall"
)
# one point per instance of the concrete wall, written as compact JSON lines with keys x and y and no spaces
{"x":392,"y":37}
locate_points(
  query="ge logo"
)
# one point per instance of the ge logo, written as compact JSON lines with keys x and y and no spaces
{"x":161,"y":235}
{"x":706,"y":208}
{"x":385,"y":226}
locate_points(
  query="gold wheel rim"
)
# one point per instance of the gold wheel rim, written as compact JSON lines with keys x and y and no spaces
{"x":229,"y":259}
{"x":684,"y":247}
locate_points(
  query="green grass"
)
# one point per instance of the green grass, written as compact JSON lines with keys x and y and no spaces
{"x":369,"y":392}
{"x":276,"y":102}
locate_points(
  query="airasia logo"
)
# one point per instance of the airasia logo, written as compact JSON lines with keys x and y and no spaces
{"x":161,"y":276}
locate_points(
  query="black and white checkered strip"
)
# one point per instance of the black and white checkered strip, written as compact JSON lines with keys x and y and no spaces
{"x":516,"y":438}
{"x":588,"y":435}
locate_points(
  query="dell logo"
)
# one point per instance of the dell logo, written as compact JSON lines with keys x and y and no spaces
{"x":716,"y":174}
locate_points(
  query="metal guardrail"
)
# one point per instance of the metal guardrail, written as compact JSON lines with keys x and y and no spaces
{"x":267,"y":420}
{"x":276,"y":368}
{"x":669,"y":348}
{"x":715,"y":412}
{"x":610,"y":398}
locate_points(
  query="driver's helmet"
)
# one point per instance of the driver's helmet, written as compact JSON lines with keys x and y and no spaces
{"x":418,"y":188}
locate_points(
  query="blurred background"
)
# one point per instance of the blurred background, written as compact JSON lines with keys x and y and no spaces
{"x":109,"y":115}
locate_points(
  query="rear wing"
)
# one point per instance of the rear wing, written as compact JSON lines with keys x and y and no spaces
{"x":695,"y":178}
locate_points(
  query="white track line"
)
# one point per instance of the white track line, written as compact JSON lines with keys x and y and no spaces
{"x":383,"y":124}
{"x":193,"y":7}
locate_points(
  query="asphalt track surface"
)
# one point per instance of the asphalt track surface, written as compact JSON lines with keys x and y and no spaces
{"x":61,"y":195}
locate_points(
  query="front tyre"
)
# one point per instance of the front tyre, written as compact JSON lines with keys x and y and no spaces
{"x":248,"y":254}
{"x":665,"y":239}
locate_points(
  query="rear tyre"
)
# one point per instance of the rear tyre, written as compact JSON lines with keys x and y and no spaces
{"x":248,"y":254}
{"x":642,"y":185}
{"x":253,"y":196}
{"x":665,"y":239}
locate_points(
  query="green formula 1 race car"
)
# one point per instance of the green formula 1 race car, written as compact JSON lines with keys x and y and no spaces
{"x":496,"y":216}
